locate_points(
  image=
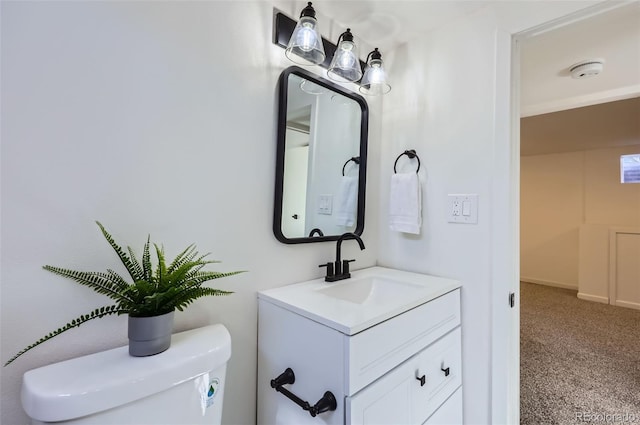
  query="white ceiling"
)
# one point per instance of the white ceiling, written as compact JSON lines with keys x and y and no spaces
{"x":546,"y":85}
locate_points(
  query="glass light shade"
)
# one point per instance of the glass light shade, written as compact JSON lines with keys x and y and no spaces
{"x":305,"y":45}
{"x":374,"y":81}
{"x":345,"y":65}
{"x":312,"y":88}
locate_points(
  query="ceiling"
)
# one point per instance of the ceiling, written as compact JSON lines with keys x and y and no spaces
{"x":546,"y":84}
{"x":563,"y":114}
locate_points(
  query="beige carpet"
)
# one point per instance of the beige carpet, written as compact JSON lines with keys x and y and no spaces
{"x":580,"y":360}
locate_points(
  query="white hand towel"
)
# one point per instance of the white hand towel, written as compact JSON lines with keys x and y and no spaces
{"x":347,"y":201}
{"x":405,"y":203}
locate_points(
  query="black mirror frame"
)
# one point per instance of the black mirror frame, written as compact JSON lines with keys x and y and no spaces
{"x":281,"y":135}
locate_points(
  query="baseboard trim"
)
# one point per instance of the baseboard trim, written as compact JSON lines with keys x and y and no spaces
{"x":549,"y":283}
{"x":594,"y":298}
{"x":627,"y":304}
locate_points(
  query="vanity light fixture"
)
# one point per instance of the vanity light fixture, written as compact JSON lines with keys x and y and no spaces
{"x":305,"y":45}
{"x":287,"y":34}
{"x":345,"y":65}
{"x":374,"y":81}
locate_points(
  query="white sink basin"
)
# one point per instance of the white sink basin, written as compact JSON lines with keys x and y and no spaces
{"x":371,"y":290}
{"x":369,"y":297}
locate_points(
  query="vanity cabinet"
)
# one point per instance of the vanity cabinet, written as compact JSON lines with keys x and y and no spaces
{"x":403,"y":367}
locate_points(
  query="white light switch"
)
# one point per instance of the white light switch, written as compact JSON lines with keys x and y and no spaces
{"x":466,"y":208}
{"x":462,"y":208}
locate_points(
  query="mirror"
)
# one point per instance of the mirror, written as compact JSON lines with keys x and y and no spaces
{"x":321,"y":159}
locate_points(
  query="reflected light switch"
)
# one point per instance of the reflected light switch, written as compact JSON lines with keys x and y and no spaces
{"x":325,"y":204}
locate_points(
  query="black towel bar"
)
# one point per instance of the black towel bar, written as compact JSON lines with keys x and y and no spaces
{"x":326,"y":403}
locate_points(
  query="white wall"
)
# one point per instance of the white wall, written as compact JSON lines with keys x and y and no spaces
{"x":551,"y":211}
{"x":560,"y":193}
{"x":153,"y":117}
{"x":450,"y":101}
{"x":448,"y":118}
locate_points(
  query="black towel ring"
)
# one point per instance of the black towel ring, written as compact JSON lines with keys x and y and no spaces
{"x":411,"y":154}
{"x":355,"y":159}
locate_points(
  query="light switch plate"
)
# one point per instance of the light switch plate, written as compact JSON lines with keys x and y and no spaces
{"x":325,"y":204}
{"x":462,"y":208}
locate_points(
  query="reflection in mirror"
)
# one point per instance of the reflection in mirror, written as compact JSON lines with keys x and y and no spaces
{"x":321,"y":159}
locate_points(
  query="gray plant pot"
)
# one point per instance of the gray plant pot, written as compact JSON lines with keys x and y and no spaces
{"x":150,"y":335}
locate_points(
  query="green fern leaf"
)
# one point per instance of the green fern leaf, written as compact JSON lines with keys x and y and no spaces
{"x":121,"y":254}
{"x":117,"y":280}
{"x":99,"y":282}
{"x":190,"y":295}
{"x":146,"y":261}
{"x":185,"y":256}
{"x":95,"y":314}
{"x":134,"y":262}
{"x":161,"y":270}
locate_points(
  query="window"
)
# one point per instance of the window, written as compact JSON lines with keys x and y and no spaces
{"x":630,"y":168}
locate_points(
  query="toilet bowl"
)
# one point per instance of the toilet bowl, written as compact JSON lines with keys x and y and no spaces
{"x":183,"y":385}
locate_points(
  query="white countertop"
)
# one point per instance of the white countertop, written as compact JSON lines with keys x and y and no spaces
{"x":348,"y":317}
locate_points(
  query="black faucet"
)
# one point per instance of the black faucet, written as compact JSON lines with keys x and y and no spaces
{"x":339,"y":270}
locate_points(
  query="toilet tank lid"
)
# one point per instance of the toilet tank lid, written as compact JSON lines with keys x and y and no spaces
{"x":101,"y":381}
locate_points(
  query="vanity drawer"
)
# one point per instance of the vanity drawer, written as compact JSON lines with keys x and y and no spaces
{"x":399,"y":397}
{"x":375,"y":351}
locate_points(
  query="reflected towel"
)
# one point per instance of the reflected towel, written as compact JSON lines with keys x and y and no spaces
{"x":405,"y":203}
{"x":347,"y":202}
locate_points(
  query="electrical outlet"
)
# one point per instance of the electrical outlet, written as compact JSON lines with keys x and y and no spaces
{"x":455,"y":210}
{"x":462,"y":208}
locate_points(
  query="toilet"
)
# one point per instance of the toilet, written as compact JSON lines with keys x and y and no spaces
{"x":183,"y":385}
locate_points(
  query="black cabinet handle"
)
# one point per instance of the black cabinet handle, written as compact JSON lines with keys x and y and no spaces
{"x":422,"y":379}
{"x":446,"y":371}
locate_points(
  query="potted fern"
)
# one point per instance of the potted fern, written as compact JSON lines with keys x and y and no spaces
{"x":150,"y":300}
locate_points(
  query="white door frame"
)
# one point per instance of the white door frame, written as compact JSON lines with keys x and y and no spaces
{"x":505,"y":245}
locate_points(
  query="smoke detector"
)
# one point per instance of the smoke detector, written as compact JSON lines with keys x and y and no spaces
{"x":586,"y":69}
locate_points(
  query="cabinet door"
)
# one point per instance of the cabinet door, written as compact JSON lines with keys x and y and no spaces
{"x":450,"y":413}
{"x":385,"y":402}
{"x":440,"y":364}
{"x":401,"y":396}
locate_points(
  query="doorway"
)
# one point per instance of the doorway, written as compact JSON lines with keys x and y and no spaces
{"x":564,"y":166}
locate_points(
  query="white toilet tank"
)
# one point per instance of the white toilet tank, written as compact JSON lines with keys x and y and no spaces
{"x":183,"y":385}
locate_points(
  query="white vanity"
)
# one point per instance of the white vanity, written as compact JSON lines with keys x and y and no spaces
{"x":385,"y":343}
